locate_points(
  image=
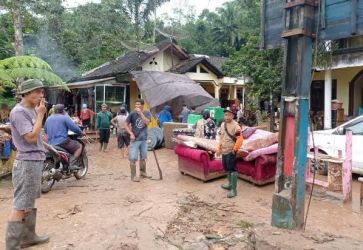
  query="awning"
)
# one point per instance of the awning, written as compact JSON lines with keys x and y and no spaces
{"x":92,"y":83}
{"x":163,"y":88}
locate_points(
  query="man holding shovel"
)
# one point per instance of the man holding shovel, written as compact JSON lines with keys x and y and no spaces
{"x":136,"y":126}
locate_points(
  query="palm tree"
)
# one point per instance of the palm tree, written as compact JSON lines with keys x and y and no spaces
{"x":139,"y":11}
{"x":227,"y":29}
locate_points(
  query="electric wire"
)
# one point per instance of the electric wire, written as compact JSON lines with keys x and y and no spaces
{"x":311,"y":124}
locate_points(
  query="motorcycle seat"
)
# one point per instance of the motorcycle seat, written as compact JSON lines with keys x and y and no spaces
{"x":61,"y":149}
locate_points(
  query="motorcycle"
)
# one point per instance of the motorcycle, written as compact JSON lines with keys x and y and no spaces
{"x":57,"y":163}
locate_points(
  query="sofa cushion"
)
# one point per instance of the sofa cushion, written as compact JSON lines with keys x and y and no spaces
{"x":268,"y":140}
{"x":247,"y":132}
{"x":262,"y":151}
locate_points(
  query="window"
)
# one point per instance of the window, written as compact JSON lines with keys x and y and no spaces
{"x":111,"y":95}
{"x":357,"y":129}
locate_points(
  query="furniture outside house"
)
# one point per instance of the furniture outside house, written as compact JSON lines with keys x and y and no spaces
{"x":197,"y":163}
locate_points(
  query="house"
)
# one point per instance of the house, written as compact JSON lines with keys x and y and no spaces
{"x":343,"y":81}
{"x":112,"y":82}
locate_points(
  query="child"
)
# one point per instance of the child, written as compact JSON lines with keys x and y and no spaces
{"x":229,"y":143}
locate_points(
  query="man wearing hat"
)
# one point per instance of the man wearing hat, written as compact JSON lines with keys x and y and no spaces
{"x":56,"y":127}
{"x":229,"y":143}
{"x":26,"y":123}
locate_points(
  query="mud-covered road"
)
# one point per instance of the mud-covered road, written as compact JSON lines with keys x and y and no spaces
{"x":108,"y":211}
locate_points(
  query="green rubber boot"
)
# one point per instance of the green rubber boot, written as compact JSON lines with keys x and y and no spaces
{"x":143,"y":173}
{"x":30,"y":238}
{"x":233,"y":192}
{"x":134,"y":178}
{"x":227,"y":186}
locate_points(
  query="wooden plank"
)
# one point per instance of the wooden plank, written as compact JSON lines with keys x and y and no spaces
{"x":300,"y":2}
{"x":320,"y":183}
{"x":338,"y":19}
{"x":347,"y":168}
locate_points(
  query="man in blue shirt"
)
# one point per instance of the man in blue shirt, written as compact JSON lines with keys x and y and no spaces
{"x":57,"y":127}
{"x":165,"y":115}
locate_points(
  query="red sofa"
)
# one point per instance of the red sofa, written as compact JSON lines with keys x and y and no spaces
{"x":196,"y":162}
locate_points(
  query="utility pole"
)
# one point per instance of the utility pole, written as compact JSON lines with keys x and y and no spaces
{"x":289,"y":197}
{"x":294,"y":20}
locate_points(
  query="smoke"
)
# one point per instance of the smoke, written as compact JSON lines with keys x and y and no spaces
{"x":43,"y":45}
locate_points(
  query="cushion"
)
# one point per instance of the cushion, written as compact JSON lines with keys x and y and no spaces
{"x":247,"y":132}
{"x":272,"y":149}
{"x":252,"y":145}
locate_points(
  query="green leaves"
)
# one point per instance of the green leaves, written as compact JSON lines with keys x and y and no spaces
{"x":27,"y":67}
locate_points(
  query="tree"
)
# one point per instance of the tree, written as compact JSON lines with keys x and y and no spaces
{"x":264,"y":67}
{"x":139,"y":12}
{"x":18,"y":30}
{"x":226,"y":27}
{"x":27,"y":67}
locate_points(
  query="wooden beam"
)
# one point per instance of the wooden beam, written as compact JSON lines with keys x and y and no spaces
{"x":300,"y":2}
{"x":295,"y":32}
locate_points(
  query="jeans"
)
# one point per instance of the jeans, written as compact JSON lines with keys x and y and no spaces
{"x":138,"y":148}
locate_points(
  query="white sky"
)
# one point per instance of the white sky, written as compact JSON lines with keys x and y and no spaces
{"x":167,"y":7}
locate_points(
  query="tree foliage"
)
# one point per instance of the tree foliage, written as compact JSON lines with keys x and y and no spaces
{"x":27,"y":67}
{"x":76,"y":40}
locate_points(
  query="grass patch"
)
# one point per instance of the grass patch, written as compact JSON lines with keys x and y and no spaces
{"x":244,"y":224}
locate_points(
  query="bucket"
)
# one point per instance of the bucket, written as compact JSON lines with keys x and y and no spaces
{"x":155,"y":138}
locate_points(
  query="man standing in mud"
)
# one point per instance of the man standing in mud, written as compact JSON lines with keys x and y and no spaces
{"x":26,"y":122}
{"x":136,"y":126}
{"x":229,"y":143}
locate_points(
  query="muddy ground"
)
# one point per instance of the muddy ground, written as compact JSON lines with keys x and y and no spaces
{"x":108,"y":211}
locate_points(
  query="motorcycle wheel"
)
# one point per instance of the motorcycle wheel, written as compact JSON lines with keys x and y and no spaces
{"x":47,"y":178}
{"x":80,"y":174}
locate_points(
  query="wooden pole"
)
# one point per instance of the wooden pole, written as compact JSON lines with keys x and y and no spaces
{"x":289,"y":198}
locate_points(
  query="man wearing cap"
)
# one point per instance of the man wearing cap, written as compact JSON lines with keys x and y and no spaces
{"x":26,"y":122}
{"x":230,"y":141}
{"x":56,"y":127}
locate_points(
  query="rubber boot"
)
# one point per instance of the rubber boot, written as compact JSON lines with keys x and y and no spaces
{"x":143,"y":173}
{"x":14,"y":234}
{"x":133,"y":172}
{"x":101,"y":146}
{"x":30,"y":238}
{"x":233,"y":191}
{"x":227,"y":186}
{"x":105,"y":147}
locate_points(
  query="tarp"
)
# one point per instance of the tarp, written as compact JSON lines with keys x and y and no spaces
{"x":163,"y":88}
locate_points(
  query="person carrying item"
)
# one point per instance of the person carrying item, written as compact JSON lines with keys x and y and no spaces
{"x":206,"y":127}
{"x":136,"y":126}
{"x":165,"y":116}
{"x":85,"y":116}
{"x":26,"y":123}
{"x":229,"y":143}
{"x":123,"y":138}
{"x":103,"y":125}
{"x":56,"y":128}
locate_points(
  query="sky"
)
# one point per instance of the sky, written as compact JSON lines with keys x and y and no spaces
{"x":199,"y":5}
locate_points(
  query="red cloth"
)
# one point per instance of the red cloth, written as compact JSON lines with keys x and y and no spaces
{"x":86,"y":114}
